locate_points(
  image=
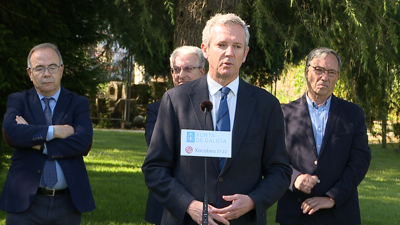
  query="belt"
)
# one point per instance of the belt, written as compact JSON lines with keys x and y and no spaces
{"x":52,"y":192}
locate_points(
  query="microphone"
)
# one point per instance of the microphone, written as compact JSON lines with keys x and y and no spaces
{"x":205,"y":106}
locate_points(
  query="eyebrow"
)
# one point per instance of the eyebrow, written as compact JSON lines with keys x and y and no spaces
{"x":53,"y":64}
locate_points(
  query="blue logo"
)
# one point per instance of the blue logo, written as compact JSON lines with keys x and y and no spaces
{"x":190,"y":137}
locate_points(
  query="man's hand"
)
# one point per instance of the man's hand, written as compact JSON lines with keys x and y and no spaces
{"x":60,"y":131}
{"x":311,"y":205}
{"x":195,"y":210}
{"x":63,"y":131}
{"x":305,"y":182}
{"x":20,"y":120}
{"x":241,"y":204}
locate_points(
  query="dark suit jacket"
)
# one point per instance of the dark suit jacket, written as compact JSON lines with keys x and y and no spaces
{"x":151,"y":118}
{"x":27,"y":163}
{"x":154,"y":209}
{"x":258,"y":168}
{"x":341,"y":165}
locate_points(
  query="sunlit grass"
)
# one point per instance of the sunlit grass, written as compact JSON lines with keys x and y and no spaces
{"x":114,"y":168}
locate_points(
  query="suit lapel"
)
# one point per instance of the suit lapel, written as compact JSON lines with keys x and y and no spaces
{"x":306,"y":123}
{"x":62,"y":105}
{"x":199,"y":94}
{"x":243,"y":115}
{"x":36,"y":106}
{"x":332,"y":117}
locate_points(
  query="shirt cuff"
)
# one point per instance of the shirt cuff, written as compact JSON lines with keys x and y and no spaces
{"x":50,"y":133}
{"x":45,"y":149}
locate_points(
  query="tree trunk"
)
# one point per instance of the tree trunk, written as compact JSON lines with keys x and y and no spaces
{"x":384,"y":119}
{"x":191,"y":17}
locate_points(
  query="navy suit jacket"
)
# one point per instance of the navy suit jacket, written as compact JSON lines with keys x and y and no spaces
{"x":151,"y":118}
{"x":341,"y":165}
{"x":154,"y":209}
{"x":258,"y":168}
{"x":24,"y":175}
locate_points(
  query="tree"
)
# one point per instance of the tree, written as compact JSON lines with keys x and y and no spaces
{"x":365,"y":34}
{"x":74,"y":26}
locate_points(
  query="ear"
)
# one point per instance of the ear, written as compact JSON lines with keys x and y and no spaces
{"x":204,"y":48}
{"x":306,"y":72}
{"x":62,"y":70}
{"x":245,"y":54}
{"x":202,"y":71}
{"x":29,"y":73}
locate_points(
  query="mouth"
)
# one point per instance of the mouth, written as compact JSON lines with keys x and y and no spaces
{"x":47,"y":83}
{"x":227,"y":64}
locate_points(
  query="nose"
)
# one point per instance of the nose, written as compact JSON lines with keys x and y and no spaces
{"x":324,"y":76}
{"x":46,"y":72}
{"x":229,"y":50}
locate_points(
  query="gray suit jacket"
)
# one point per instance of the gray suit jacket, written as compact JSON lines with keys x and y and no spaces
{"x":258,"y":168}
{"x":341,"y":165}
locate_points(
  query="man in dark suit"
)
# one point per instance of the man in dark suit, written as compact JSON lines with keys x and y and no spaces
{"x":328,"y":149}
{"x":187,"y":64}
{"x":50,"y":129}
{"x":240,"y":188}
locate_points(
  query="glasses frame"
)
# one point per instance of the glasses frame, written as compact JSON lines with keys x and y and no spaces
{"x":34,"y":70}
{"x":317,"y":68}
{"x":187,"y":69}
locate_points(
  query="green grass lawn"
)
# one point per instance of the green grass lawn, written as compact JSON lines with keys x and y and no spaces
{"x":114,"y":167}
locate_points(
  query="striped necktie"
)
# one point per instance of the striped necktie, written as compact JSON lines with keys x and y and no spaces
{"x":49,"y":177}
{"x":223,"y":120}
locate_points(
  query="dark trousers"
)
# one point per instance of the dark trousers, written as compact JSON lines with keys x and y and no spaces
{"x":47,"y":210}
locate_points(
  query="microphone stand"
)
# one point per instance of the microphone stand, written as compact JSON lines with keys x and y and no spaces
{"x":205,"y":202}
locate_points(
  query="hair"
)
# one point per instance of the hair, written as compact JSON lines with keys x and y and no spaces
{"x":226,"y":20}
{"x":322,"y":52}
{"x":188,"y":50}
{"x":41,"y":46}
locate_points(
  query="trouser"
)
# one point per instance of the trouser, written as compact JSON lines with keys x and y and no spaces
{"x":47,"y":210}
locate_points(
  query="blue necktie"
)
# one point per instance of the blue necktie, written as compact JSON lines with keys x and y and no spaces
{"x":223,"y":121}
{"x":49,"y":178}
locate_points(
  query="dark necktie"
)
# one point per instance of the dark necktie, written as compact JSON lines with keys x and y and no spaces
{"x":223,"y":121}
{"x":49,"y":178}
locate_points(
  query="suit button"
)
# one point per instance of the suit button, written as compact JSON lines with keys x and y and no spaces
{"x":315,"y":162}
{"x":39,"y":171}
{"x":220,"y":179}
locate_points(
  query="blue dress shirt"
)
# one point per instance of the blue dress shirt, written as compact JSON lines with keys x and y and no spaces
{"x":319,"y":117}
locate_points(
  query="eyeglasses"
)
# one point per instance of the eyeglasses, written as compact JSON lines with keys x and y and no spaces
{"x":321,"y":71}
{"x":188,"y":69}
{"x":39,"y":70}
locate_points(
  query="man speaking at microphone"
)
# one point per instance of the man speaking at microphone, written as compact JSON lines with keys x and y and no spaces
{"x":240,"y":188}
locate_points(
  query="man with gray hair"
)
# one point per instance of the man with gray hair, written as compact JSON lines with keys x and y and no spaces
{"x":50,"y":129}
{"x":240,"y":188}
{"x":326,"y":138}
{"x":187,"y":64}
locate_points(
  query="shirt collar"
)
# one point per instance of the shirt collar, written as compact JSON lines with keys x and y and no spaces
{"x":214,"y":87}
{"x":314,"y":105}
{"x":55,"y":96}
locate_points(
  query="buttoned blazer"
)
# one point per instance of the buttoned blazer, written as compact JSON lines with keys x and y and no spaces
{"x":342,"y":164}
{"x":24,"y":174}
{"x":258,"y":168}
